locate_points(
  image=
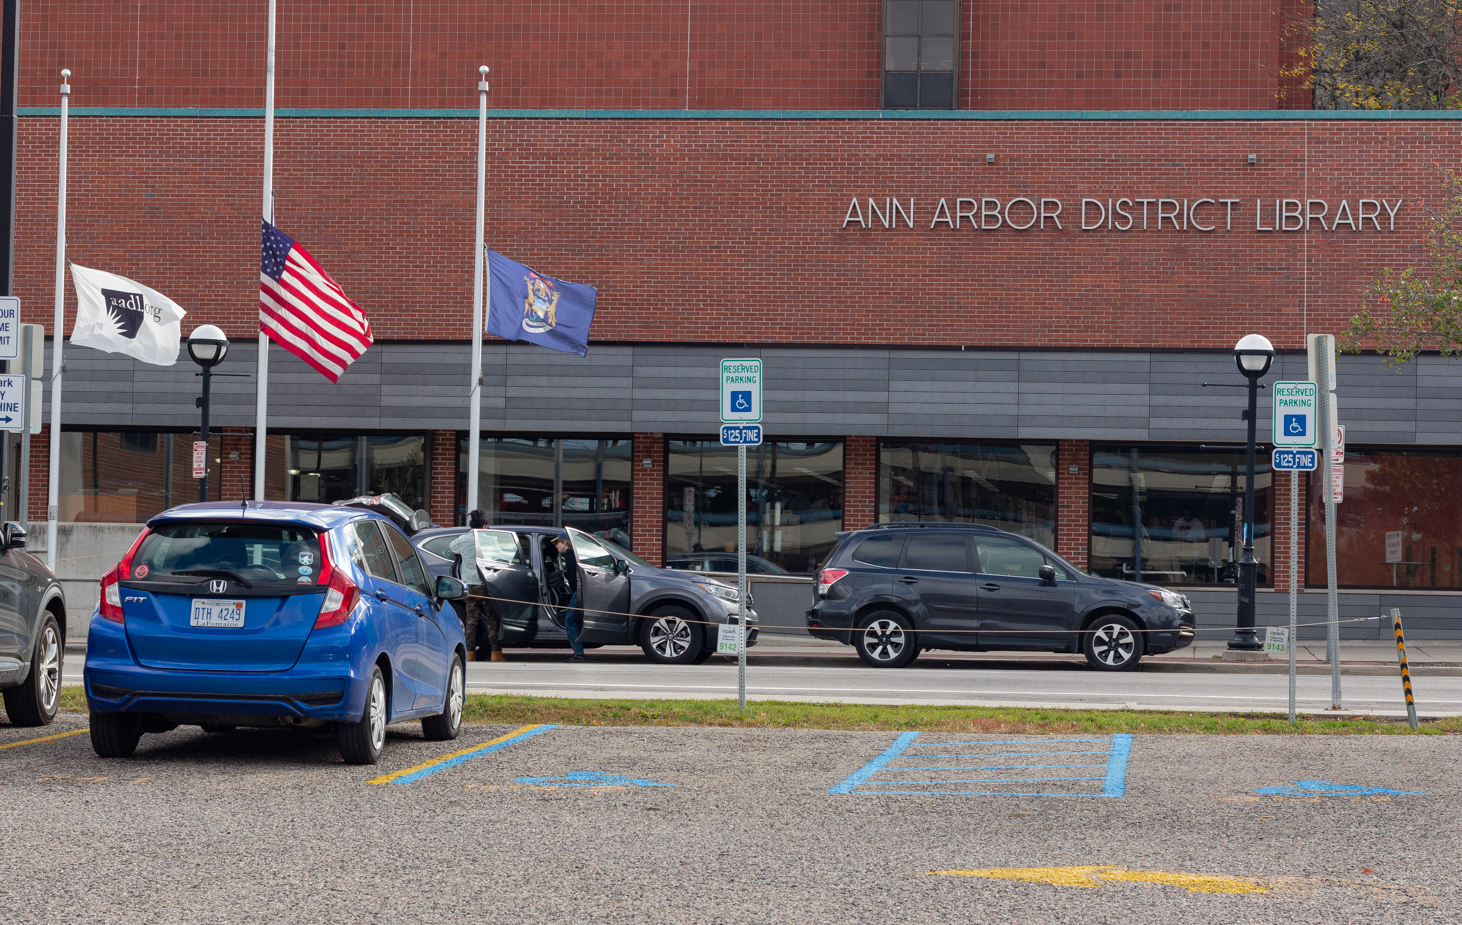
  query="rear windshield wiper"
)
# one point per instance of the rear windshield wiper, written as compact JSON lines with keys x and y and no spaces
{"x":216,"y":573}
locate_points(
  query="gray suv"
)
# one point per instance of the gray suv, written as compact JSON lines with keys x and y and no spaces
{"x":896,"y":589}
{"x":32,"y":632}
{"x":673,"y":616}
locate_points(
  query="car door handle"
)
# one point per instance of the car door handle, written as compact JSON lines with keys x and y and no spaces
{"x":987,"y":586}
{"x":382,"y":596}
{"x":908,"y":579}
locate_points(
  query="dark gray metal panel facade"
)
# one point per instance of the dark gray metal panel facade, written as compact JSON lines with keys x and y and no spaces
{"x":670,"y":388}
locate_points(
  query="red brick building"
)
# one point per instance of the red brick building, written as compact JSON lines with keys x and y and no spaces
{"x":989,"y":253}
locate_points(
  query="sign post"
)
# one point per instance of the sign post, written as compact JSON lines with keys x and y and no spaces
{"x":1293,"y":461}
{"x":1321,"y":350}
{"x":32,"y":368}
{"x":741,"y":427}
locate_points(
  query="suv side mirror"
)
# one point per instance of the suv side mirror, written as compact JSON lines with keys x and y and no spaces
{"x":12,"y":536}
{"x":1048,"y":575}
{"x":450,"y":589}
{"x":621,"y":567}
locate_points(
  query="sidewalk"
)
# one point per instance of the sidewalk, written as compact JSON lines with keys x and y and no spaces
{"x":1424,"y":657}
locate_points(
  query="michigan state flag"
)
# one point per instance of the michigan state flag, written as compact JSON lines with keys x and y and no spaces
{"x":526,"y":305}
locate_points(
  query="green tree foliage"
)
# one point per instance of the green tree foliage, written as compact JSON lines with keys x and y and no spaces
{"x":1419,"y":308}
{"x":1380,"y":54}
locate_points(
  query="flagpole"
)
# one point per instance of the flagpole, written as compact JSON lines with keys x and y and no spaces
{"x":261,"y":409}
{"x":474,"y":401}
{"x":58,"y":337}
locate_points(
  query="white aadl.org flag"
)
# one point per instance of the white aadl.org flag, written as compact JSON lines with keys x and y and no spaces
{"x":117,"y":315}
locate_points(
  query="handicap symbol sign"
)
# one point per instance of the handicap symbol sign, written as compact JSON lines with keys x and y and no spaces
{"x":590,"y":779}
{"x":1311,"y":788}
{"x":1294,"y":425}
{"x":741,"y":401}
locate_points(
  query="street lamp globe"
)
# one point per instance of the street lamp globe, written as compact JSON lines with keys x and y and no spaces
{"x":207,"y":345}
{"x":1254,"y":354}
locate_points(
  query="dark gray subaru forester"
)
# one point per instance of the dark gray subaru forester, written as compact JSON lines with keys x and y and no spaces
{"x":896,"y":589}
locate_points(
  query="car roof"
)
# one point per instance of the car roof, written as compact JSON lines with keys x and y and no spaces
{"x":320,"y":516}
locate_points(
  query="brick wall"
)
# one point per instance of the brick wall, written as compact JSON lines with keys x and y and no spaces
{"x":732,"y":231}
{"x":1279,"y":549}
{"x":1073,"y":500}
{"x":860,"y":488}
{"x":442,"y":481}
{"x":645,"y":54}
{"x":647,"y":517}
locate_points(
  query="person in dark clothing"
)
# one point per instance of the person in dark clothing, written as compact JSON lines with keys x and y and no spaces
{"x":481,"y":618}
{"x":563,"y":582}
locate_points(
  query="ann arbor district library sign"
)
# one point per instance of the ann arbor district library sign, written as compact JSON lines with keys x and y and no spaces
{"x":1123,"y":214}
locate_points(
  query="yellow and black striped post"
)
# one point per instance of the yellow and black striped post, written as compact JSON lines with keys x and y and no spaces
{"x":1405,"y":672}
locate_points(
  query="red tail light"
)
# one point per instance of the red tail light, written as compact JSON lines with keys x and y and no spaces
{"x":341,"y":595}
{"x":829,"y":577}
{"x":111,"y":596}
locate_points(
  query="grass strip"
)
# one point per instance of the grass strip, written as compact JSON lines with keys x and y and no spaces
{"x":776,"y":714}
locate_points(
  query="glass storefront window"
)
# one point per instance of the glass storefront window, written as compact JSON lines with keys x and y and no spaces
{"x":1399,"y":525}
{"x":1011,"y":487}
{"x":794,"y":503}
{"x":1188,"y":505}
{"x":516,"y":482}
{"x":324,"y":468}
{"x":129,"y":476}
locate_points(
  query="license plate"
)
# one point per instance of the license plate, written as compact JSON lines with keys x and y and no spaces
{"x":217,"y":614}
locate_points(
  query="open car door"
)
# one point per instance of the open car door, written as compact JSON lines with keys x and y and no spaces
{"x":510,"y":581}
{"x":603,"y":591}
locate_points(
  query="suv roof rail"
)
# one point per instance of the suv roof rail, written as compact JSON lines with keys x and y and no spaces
{"x":940,"y":525}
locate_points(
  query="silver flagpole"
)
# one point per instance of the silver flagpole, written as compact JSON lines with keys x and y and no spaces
{"x":261,"y":408}
{"x":58,"y":337}
{"x":474,"y":394}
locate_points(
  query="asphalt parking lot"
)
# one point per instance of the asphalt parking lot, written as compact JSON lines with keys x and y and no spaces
{"x":589,"y":824}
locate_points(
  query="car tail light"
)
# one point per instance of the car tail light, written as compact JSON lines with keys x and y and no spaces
{"x":341,"y":595}
{"x":110,"y":605}
{"x":829,"y":577}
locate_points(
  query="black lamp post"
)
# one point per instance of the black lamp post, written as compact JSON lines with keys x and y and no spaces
{"x":207,"y":346}
{"x":1253,"y":355}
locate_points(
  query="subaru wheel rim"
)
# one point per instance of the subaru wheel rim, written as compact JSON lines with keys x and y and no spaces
{"x":377,"y":714}
{"x":1113,"y":644}
{"x":884,"y":640}
{"x":670,"y":637}
{"x":50,"y":669}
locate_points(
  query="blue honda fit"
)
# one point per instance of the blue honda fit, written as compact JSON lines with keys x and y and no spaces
{"x":273,"y":614}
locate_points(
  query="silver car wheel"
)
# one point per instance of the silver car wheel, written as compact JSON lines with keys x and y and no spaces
{"x":50,"y":669}
{"x":884,"y":640}
{"x":455,"y":696}
{"x":670,"y":637}
{"x":377,"y":714}
{"x":1113,"y":644}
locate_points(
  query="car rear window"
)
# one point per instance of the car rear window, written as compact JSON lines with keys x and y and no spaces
{"x":253,"y":552}
{"x":880,"y":550}
{"x":937,"y":552}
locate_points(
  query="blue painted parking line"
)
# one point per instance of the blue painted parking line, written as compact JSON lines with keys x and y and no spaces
{"x":884,"y":776}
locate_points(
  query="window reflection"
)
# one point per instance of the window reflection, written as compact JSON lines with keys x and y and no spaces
{"x":1188,"y":508}
{"x":129,"y":476}
{"x":794,"y":504}
{"x":1011,"y":487}
{"x":324,"y":468}
{"x":1400,"y":523}
{"x":516,"y":483}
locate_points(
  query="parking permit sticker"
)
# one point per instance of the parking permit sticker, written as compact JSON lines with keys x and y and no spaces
{"x":307,"y":558}
{"x":306,"y":570}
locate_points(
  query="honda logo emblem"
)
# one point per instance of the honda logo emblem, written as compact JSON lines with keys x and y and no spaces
{"x":217,"y":586}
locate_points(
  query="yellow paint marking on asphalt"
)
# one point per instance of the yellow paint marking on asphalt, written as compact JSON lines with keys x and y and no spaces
{"x":52,"y":738}
{"x":1095,"y":875}
{"x":387,"y":778}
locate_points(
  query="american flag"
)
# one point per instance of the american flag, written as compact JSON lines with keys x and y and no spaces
{"x":305,"y":311}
